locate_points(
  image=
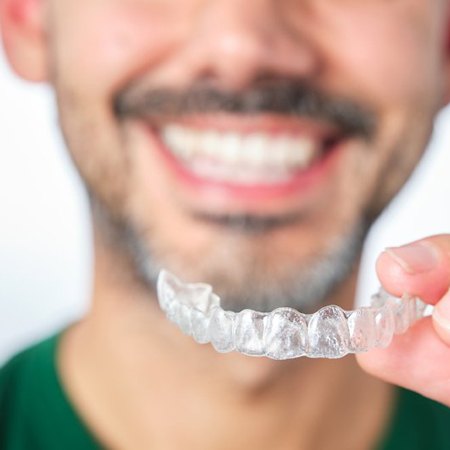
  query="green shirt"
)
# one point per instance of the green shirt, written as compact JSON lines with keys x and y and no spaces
{"x":35,"y":413}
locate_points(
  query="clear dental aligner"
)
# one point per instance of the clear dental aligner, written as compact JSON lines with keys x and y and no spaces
{"x":286,"y":333}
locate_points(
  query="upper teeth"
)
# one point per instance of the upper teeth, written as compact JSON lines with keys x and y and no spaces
{"x":278,"y":155}
{"x":286,"y":333}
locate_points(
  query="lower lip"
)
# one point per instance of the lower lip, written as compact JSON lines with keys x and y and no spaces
{"x":299,"y":185}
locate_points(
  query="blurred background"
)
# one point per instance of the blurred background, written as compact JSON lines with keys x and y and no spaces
{"x":45,"y":254}
{"x":45,"y":251}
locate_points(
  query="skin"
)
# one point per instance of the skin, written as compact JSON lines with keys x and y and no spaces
{"x":122,"y":365}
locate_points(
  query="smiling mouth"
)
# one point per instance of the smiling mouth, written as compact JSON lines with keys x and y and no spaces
{"x":248,"y":157}
{"x":237,"y":149}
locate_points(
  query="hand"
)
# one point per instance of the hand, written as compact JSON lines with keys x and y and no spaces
{"x":419,"y":359}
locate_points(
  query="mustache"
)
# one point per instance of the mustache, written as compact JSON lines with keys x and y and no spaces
{"x":289,"y":98}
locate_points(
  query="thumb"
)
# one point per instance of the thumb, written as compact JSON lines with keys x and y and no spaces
{"x":441,"y":318}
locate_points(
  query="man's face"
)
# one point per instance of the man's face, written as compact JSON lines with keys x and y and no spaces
{"x":247,"y":143}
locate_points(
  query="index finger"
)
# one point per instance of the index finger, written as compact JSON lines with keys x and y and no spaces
{"x":421,"y":268}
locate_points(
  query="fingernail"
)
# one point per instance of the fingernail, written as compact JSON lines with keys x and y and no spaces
{"x":441,"y":317}
{"x":415,"y":258}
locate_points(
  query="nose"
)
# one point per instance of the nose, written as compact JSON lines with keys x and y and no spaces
{"x":236,"y":42}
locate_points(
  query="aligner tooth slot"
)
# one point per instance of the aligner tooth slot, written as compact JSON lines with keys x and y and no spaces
{"x":401,"y":318}
{"x":384,"y":326}
{"x":328,"y":333}
{"x":172,"y":311}
{"x":200,"y":326}
{"x":286,"y":336}
{"x":184,"y":319}
{"x":221,"y":330}
{"x":167,"y":289}
{"x":361,"y":326}
{"x":249,"y":333}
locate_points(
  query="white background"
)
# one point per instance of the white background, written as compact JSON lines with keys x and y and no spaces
{"x":44,"y":232}
{"x":45,"y":256}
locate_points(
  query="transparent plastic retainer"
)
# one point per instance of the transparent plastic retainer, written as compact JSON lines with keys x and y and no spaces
{"x":286,"y":333}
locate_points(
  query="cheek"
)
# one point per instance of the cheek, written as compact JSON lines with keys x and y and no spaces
{"x":395,"y":65}
{"x":386,"y":52}
{"x":118,"y":43}
{"x":89,"y":68}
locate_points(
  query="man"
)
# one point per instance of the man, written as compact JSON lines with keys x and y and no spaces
{"x":248,"y":145}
